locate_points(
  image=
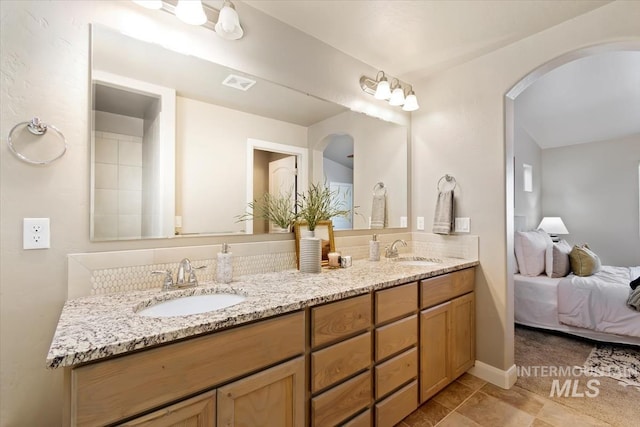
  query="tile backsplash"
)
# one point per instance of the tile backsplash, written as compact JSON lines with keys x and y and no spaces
{"x":102,"y":273}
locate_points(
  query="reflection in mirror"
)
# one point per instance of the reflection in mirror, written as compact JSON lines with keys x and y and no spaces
{"x":199,"y":175}
{"x":337,"y":164}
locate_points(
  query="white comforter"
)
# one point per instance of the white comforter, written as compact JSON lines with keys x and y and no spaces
{"x":599,"y":302}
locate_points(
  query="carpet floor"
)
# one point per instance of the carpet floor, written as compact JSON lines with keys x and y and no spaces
{"x":546,"y":362}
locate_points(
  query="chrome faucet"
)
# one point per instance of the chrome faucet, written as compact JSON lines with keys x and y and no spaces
{"x":392,"y":251}
{"x":185,"y":278}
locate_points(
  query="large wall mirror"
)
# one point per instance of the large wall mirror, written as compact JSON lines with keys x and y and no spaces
{"x":180,"y":145}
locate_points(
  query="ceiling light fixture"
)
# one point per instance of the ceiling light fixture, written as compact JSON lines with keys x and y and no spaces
{"x":395,"y":93}
{"x":225,"y":22}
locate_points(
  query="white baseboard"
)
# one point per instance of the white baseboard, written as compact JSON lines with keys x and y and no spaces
{"x":505,"y":379}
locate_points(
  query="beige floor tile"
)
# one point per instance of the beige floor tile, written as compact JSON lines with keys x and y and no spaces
{"x":453,"y":395}
{"x":517,"y":397}
{"x":471,"y":381}
{"x":427,"y":415}
{"x":560,"y":416}
{"x":455,"y":419}
{"x":491,"y":412}
{"x":539,"y":423}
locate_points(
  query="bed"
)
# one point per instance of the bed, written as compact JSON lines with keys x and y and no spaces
{"x":592,"y":307}
{"x":565,"y":288}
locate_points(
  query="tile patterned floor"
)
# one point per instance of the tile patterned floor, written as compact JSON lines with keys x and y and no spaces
{"x":471,"y":402}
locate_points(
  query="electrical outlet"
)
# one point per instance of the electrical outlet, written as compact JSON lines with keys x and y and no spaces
{"x":403,"y":221}
{"x":420,"y":223}
{"x":462,"y":225}
{"x":35,"y":233}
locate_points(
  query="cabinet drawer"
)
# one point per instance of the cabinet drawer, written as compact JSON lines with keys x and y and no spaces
{"x":395,"y":337}
{"x":341,"y":402}
{"x":395,"y":372}
{"x":396,"y":407}
{"x":338,"y":320}
{"x":396,"y":302}
{"x":448,"y":286}
{"x":362,"y":420}
{"x":105,"y":392}
{"x":339,"y":361}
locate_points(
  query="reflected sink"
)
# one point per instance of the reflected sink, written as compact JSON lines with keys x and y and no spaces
{"x":417,"y":261}
{"x":194,"y":304}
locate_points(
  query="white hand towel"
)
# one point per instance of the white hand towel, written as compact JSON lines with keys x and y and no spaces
{"x":444,"y":216}
{"x":378,"y":211}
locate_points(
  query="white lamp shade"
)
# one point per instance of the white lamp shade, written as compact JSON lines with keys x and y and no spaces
{"x":397,"y":97}
{"x":411,"y":102}
{"x":228,"y":25}
{"x":191,"y":12}
{"x":383,"y":90}
{"x":149,"y":4}
{"x":553,"y":225}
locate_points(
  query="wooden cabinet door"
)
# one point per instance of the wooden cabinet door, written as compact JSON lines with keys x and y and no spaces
{"x":198,"y":411}
{"x":271,"y":398}
{"x":435,"y":350}
{"x":463,"y":343}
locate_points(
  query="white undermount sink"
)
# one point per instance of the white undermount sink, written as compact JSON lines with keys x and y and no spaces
{"x":194,"y":304}
{"x":417,"y":261}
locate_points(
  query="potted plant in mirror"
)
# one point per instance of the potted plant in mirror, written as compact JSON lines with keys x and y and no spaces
{"x":277,"y":209}
{"x":317,"y":204}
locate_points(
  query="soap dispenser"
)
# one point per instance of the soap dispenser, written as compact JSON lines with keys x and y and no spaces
{"x":374,"y":248}
{"x":224,"y":272}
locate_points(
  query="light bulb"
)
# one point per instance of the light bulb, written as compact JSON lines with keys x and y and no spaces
{"x":383,"y":91}
{"x":411,"y":102}
{"x":397,"y":96}
{"x":191,"y":12}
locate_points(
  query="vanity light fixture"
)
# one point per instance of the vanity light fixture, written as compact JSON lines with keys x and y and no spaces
{"x":395,"y":93}
{"x":225,"y":22}
{"x":228,"y":25}
{"x":191,"y":12}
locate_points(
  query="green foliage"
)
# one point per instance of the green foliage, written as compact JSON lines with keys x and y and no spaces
{"x":278,"y":209}
{"x":318,"y":204}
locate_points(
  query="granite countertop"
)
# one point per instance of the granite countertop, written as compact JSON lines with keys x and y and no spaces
{"x":96,"y":327}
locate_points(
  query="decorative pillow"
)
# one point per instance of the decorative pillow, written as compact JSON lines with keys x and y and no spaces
{"x":531,"y":247}
{"x":584,"y":262}
{"x":557,"y":263}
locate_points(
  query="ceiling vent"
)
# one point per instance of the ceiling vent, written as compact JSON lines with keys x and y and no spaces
{"x":238,"y":82}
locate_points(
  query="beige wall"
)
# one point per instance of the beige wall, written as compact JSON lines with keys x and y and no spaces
{"x":460,"y":130}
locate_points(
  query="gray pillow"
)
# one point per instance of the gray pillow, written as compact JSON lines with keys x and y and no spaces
{"x":557,"y":262}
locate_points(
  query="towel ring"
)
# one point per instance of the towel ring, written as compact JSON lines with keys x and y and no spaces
{"x":449,"y":179}
{"x":36,"y":127}
{"x":379,"y":187}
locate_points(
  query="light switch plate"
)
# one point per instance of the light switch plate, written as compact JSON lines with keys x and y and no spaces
{"x":35,"y":233}
{"x":462,"y":225}
{"x":403,"y":221}
{"x":420,"y":223}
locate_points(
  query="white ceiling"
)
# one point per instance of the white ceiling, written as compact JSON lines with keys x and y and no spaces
{"x":412,"y":39}
{"x":596,"y":98}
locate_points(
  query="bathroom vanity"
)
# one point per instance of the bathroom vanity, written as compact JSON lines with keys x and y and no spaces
{"x":361,"y":346}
